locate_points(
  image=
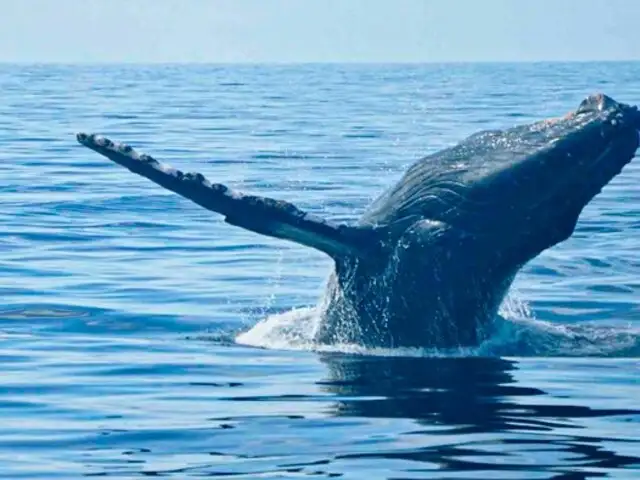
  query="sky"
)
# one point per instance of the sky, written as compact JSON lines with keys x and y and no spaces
{"x":284,"y":31}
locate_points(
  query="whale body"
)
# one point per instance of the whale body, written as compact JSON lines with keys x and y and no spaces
{"x":429,"y":262}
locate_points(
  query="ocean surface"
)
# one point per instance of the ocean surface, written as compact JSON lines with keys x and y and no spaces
{"x":140,"y":336}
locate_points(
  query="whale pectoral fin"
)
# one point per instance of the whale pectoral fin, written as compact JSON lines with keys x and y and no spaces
{"x":267,"y":216}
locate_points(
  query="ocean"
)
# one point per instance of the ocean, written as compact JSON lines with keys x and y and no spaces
{"x":141,"y":336}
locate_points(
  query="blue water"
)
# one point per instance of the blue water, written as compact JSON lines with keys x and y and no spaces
{"x":141,"y":336}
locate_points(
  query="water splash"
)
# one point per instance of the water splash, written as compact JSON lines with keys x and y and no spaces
{"x":295,"y":330}
{"x":517,"y":333}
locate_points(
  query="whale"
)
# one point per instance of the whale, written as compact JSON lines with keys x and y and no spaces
{"x":429,"y":262}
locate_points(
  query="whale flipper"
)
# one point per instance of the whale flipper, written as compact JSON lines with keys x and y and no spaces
{"x":267,"y":216}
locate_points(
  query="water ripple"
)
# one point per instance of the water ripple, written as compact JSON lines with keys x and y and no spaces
{"x":122,"y":303}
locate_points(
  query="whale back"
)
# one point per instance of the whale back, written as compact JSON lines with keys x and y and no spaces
{"x":441,"y":180}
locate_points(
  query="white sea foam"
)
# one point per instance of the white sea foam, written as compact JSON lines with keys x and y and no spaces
{"x":518,"y":333}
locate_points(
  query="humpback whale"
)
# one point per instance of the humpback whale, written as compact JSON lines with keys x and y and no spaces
{"x":429,"y":262}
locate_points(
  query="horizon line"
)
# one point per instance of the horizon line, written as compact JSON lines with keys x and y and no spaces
{"x":308,"y":62}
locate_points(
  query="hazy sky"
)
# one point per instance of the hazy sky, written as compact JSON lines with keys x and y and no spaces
{"x":317,"y":30}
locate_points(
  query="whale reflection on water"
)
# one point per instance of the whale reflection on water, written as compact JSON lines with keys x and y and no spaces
{"x":462,"y":410}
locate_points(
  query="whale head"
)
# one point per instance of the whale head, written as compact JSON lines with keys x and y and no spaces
{"x":544,"y":174}
{"x":522,"y":189}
